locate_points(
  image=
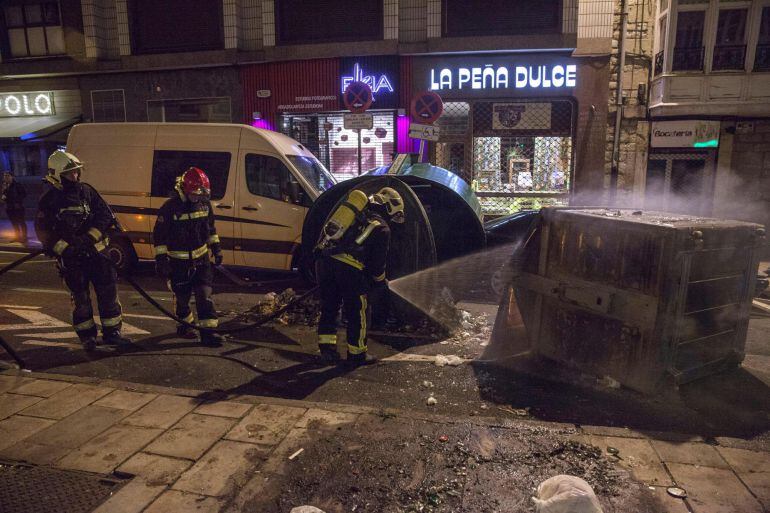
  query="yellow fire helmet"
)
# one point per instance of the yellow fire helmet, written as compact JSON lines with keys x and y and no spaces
{"x":392,"y":201}
{"x":59,"y":163}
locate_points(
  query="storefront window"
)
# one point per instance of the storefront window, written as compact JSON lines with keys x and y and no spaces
{"x":453,"y":125}
{"x":517,"y":155}
{"x":193,"y":110}
{"x":34,"y":30}
{"x":26,"y":159}
{"x":336,"y":147}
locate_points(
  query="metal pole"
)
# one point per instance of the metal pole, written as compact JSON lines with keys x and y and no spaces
{"x":615,"y":169}
{"x":359,"y":152}
{"x":422,"y":148}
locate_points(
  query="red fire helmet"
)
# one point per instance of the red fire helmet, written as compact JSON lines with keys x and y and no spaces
{"x":195,"y":183}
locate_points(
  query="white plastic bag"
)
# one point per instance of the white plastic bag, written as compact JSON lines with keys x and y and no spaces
{"x":566,"y":494}
{"x":306,"y":509}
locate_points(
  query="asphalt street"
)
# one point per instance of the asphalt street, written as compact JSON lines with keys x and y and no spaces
{"x":281,"y":361}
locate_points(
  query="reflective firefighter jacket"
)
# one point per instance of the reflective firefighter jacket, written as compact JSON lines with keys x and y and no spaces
{"x":73,"y":216}
{"x":184,"y":230}
{"x":368,"y":250}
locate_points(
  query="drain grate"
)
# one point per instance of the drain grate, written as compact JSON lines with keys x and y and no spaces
{"x":30,"y":489}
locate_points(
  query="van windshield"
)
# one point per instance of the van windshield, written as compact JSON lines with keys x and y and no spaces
{"x":313,"y":171}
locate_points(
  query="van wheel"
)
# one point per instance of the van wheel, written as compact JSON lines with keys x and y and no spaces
{"x":122,"y":254}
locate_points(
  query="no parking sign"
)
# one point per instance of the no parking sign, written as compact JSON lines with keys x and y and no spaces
{"x":426,"y":107}
{"x":357,"y":97}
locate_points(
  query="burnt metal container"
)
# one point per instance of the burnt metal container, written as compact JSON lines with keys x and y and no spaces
{"x":643,"y":297}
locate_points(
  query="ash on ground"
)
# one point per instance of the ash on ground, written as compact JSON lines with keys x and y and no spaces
{"x":445,"y":321}
{"x":415,"y":466}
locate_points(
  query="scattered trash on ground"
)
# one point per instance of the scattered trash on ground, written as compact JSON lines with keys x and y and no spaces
{"x":675,"y":491}
{"x":566,"y":494}
{"x":431,"y":401}
{"x":520,"y":412}
{"x":451,"y":360}
{"x":418,"y":466}
{"x":306,"y":509}
{"x":427,"y":384}
{"x":297,"y":453}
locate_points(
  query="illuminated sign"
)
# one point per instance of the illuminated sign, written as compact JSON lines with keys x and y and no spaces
{"x":26,"y":104}
{"x":685,"y":134}
{"x":489,"y":77}
{"x":375,"y":83}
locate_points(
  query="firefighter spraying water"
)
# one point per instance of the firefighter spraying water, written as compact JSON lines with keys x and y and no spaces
{"x":352,"y":258}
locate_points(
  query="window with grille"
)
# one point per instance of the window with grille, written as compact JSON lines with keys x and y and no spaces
{"x":108,"y":106}
{"x":323,"y":21}
{"x":34,"y":30}
{"x":730,"y":44}
{"x":516,"y":155}
{"x":762,"y":56}
{"x":501,"y":17}
{"x":175,"y":26}
{"x":688,"y":50}
{"x":337,"y":147}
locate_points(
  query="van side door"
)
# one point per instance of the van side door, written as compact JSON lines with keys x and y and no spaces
{"x":270,"y":215}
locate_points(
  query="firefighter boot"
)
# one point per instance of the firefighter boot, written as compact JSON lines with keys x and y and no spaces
{"x":359,"y":360}
{"x":211,"y":339}
{"x":89,"y":343}
{"x":114,"y":338}
{"x":184,"y":331}
{"x":329,"y":354}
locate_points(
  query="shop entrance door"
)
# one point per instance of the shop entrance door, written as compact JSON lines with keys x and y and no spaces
{"x":680,"y":182}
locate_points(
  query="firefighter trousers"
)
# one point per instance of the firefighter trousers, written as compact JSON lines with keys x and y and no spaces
{"x":342,"y":284}
{"x":79,"y":274}
{"x":194,"y":278}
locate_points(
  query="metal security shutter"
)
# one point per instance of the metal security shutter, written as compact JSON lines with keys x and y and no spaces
{"x":108,"y":106}
{"x":501,"y":17}
{"x":300,"y":21}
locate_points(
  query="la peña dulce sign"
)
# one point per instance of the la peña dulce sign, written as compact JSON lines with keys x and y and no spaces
{"x":490,"y":77}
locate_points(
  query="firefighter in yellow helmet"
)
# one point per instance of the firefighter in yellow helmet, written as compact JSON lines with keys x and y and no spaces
{"x":353,"y":259}
{"x":72,"y":223}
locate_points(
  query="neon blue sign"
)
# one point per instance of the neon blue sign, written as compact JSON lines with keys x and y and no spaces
{"x":374,"y":82}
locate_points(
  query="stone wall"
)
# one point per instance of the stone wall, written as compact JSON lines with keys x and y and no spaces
{"x":743,"y":185}
{"x":634,"y":134}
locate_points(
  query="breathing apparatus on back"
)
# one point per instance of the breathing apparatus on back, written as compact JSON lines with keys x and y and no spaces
{"x":349,"y":213}
{"x":348,"y":225}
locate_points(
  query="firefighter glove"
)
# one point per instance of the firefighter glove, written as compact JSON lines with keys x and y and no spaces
{"x":216,"y":250}
{"x":162,"y":266}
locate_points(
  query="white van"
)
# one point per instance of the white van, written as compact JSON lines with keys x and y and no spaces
{"x":262,"y":184}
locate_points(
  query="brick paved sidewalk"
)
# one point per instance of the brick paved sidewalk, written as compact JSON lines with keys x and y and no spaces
{"x":188,"y":451}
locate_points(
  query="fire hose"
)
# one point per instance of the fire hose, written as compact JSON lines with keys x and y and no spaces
{"x":158,"y":306}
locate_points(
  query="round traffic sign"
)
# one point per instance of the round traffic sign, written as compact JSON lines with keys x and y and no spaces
{"x":426,"y":107}
{"x":357,"y":97}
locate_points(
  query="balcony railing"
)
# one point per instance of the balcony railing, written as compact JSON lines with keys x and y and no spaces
{"x":659,"y":62}
{"x":728,"y":57}
{"x":762,"y":58}
{"x":688,"y":59}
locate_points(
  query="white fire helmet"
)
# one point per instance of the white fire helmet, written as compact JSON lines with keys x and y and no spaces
{"x":392,"y":201}
{"x":61,"y":162}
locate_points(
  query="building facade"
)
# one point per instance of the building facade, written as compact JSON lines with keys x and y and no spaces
{"x":710,"y":108}
{"x":525,"y":118}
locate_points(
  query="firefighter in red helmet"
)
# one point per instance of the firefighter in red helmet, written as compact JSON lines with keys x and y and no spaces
{"x":184,"y":238}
